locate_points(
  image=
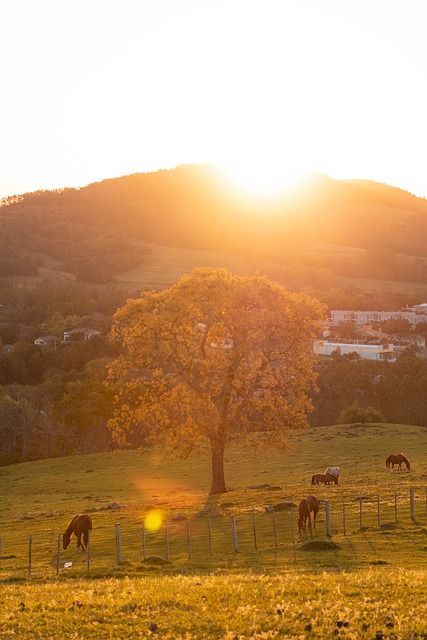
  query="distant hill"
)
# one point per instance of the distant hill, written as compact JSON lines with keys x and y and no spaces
{"x":352,"y":228}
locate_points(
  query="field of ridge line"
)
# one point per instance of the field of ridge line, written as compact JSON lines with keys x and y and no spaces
{"x":167,"y":559}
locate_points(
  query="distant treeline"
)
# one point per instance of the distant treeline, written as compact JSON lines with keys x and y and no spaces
{"x":68,"y":412}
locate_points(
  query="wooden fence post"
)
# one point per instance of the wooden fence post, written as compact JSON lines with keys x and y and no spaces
{"x":30,"y":554}
{"x":89,"y":536}
{"x":58,"y":555}
{"x":254,"y":530}
{"x":411,"y":500}
{"x":328,"y":518}
{"x":167,"y":541}
{"x":188,"y":540}
{"x":360,"y":513}
{"x":143,"y":542}
{"x":293,"y":529}
{"x":210,"y":537}
{"x":274,"y":529}
{"x":234,"y":532}
{"x":309,"y":521}
{"x":118,"y":544}
{"x":343,"y":518}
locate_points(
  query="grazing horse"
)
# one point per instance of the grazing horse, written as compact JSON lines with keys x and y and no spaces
{"x":324,"y":478}
{"x":306,"y":506}
{"x":80,"y":526}
{"x":334,"y":471}
{"x":392,"y":460}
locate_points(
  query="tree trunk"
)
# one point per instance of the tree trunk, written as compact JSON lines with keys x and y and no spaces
{"x":218,"y":477}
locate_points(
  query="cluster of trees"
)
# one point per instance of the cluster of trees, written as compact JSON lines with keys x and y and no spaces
{"x":27,"y":312}
{"x":396,"y":390}
{"x":56,"y":418}
{"x":40,"y":388}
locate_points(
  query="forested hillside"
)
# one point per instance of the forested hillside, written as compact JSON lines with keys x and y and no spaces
{"x":100,"y":230}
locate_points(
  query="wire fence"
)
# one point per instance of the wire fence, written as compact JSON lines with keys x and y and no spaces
{"x":218,"y":540}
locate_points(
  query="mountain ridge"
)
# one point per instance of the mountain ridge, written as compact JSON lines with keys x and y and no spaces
{"x":90,"y":230}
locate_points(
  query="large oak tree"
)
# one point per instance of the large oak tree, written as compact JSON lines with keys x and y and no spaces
{"x":216,"y":357}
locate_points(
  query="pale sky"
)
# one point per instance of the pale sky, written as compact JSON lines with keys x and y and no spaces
{"x":95,"y":89}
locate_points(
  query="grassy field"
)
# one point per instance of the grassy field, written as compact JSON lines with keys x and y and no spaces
{"x":230,"y":607}
{"x":187,"y":577}
{"x":165,"y":265}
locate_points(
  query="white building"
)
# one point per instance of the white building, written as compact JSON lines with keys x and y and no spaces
{"x":368,"y":317}
{"x":85,"y":334}
{"x":365,"y":351}
{"x":46,"y":341}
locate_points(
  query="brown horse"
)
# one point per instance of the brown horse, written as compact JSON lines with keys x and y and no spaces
{"x":392,"y":460}
{"x":324,"y":478}
{"x":306,"y":506}
{"x":80,"y":526}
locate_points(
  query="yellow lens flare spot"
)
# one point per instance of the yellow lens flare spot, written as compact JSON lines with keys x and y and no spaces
{"x":153,"y":520}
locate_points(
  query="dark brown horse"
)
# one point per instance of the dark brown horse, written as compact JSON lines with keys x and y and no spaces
{"x":79,"y":526}
{"x":308,"y":505}
{"x":324,"y":478}
{"x":398,"y":459}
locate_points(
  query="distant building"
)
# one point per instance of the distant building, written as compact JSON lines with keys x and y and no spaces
{"x":364,"y":351}
{"x":414,"y":316}
{"x":412,"y":339}
{"x":46,"y":341}
{"x":84,"y":334}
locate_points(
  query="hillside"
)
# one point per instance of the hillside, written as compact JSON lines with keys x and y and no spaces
{"x":96,"y":233}
{"x":124,"y":486}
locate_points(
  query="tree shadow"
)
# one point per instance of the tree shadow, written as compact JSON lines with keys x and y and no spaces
{"x":211,"y":503}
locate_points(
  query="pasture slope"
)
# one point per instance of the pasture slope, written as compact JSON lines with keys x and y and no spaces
{"x":220,"y":567}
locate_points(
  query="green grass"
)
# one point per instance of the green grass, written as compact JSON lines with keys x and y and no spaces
{"x":221,"y":606}
{"x":165,"y":265}
{"x":374,"y":576}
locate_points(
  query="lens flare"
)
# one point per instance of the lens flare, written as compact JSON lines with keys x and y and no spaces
{"x":153,"y":520}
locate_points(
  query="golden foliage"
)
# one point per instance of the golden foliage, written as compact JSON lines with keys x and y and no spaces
{"x":216,"y":353}
{"x":214,"y":357}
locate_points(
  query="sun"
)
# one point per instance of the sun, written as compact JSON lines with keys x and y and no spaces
{"x":262,"y":180}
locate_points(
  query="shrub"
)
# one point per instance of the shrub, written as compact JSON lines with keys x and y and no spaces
{"x":356,"y":413}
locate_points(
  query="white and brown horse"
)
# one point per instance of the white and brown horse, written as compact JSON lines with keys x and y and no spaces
{"x":334,"y":471}
{"x":324,"y":478}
